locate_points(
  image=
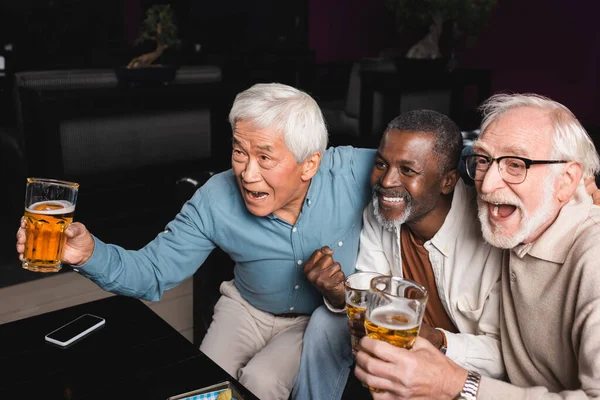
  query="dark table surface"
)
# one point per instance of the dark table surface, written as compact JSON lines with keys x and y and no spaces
{"x":136,"y":355}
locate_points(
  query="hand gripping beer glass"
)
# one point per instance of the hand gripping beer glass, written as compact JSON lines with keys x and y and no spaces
{"x":49,"y":209}
{"x":356,"y":287}
{"x":395,"y":309}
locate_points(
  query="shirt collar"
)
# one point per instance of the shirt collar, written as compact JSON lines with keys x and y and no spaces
{"x":445,"y":238}
{"x":555,"y":243}
{"x":311,"y":195}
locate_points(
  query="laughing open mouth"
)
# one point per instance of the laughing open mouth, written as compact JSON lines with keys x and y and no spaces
{"x":256,"y":195}
{"x":502,"y":210}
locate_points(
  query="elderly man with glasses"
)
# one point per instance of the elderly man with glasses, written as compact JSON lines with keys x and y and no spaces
{"x":533,"y":205}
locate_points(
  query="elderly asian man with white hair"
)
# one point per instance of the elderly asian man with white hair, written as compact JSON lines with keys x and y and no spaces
{"x":529,"y":167}
{"x":284,"y":197}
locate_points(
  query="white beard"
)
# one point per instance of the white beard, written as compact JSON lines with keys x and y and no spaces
{"x":390,"y":224}
{"x":496,"y":235}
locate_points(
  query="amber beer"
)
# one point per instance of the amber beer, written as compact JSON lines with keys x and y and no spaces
{"x":397,"y":327}
{"x":356,"y":288}
{"x":46,"y":221}
{"x":355,"y":314}
{"x":395,"y":308}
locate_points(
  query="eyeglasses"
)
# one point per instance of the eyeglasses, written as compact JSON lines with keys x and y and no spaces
{"x":512,"y":169}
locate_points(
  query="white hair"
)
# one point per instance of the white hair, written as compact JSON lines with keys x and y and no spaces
{"x":570,"y":140}
{"x":290,"y":111}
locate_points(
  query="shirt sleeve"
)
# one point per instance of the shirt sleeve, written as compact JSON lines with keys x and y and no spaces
{"x":332,"y":308}
{"x":362,"y":163}
{"x":493,"y":389}
{"x":173,"y":256}
{"x":480,"y":352}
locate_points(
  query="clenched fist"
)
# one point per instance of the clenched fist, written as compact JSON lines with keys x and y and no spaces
{"x":326,"y":275}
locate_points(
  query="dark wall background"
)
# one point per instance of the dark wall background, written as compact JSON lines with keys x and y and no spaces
{"x":550,"y":47}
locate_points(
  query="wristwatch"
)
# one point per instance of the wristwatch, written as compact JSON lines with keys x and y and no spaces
{"x":470,"y":388}
{"x":444,"y":345}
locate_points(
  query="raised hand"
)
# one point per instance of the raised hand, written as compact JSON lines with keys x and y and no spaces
{"x":326,"y":275}
{"x":78,"y":248}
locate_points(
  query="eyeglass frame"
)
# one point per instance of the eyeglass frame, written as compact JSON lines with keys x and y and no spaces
{"x":528,"y":163}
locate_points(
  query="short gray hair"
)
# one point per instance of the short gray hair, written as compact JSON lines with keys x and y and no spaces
{"x":570,"y":140}
{"x":291,"y":111}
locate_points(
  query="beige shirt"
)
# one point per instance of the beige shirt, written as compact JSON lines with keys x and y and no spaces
{"x":551,"y":311}
{"x":467,"y":275}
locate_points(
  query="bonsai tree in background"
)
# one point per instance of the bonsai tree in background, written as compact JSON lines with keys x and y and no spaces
{"x":466,"y":17}
{"x":159,"y":26}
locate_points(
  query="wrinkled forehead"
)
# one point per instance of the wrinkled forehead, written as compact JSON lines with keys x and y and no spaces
{"x":524,"y":132}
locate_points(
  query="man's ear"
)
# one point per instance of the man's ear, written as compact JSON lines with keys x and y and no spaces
{"x":449,"y":181}
{"x":310,"y":166}
{"x":568,"y":182}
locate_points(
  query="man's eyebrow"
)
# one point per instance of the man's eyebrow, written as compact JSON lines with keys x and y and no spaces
{"x":403,"y":162}
{"x":266,"y":147}
{"x":378,"y":155}
{"x":507,"y":150}
{"x":479,"y":147}
{"x":516,"y":150}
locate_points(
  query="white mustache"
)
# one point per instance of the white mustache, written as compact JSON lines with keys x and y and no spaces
{"x":501,"y":198}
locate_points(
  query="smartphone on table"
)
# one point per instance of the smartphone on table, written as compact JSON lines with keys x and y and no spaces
{"x":75,"y":330}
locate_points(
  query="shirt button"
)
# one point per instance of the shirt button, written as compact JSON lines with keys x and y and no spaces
{"x":309,"y":202}
{"x":297,"y":287}
{"x":291,"y":308}
{"x":299,"y":262}
{"x":340,"y":244}
{"x":513,"y":277}
{"x":294,"y":229}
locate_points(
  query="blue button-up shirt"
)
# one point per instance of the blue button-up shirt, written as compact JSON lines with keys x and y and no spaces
{"x":269,"y":253}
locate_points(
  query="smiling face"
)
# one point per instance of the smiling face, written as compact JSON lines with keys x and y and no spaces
{"x":517,"y":213}
{"x":405,"y":178}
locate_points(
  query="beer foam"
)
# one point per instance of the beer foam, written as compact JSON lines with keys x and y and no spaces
{"x":67,"y":207}
{"x":381,"y":317}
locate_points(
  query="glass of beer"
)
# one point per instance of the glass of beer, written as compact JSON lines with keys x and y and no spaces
{"x":395,"y":309}
{"x":49,"y":209}
{"x":356,"y":287}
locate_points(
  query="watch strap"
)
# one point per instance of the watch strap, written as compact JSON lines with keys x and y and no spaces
{"x":444,"y":346}
{"x":471,"y":387}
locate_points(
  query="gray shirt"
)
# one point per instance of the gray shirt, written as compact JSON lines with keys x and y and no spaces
{"x":550,"y":328}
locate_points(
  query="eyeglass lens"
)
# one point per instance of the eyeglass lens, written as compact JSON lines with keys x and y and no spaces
{"x":512,"y":170}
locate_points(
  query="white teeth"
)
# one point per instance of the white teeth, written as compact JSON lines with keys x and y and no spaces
{"x":495,"y":210}
{"x":393,"y":199}
{"x":258,"y":195}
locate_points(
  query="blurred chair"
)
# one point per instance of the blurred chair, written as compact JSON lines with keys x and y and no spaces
{"x":12,"y":178}
{"x":126,"y":143}
{"x":380,"y":89}
{"x":342,"y":116}
{"x":217,"y":268}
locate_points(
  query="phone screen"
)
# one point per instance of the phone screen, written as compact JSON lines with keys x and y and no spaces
{"x":75,"y":328}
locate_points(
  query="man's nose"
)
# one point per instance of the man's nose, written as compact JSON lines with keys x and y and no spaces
{"x":492,"y":180}
{"x":391,"y":178}
{"x":251,"y":172}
